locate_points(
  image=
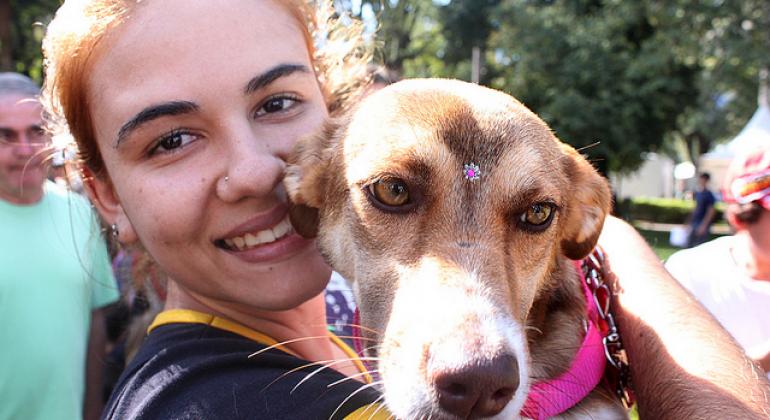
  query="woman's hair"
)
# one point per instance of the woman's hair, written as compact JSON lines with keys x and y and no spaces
{"x":335,"y":44}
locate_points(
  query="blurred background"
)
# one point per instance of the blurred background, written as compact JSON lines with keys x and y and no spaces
{"x":653,"y":92}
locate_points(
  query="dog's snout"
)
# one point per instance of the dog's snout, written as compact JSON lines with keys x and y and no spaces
{"x":478,"y":390}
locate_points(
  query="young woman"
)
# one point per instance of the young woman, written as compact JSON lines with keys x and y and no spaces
{"x":184,"y":112}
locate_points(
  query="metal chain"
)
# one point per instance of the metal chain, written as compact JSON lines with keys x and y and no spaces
{"x":613,"y":345}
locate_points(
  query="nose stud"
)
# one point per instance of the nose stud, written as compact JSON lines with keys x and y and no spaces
{"x":227,"y":178}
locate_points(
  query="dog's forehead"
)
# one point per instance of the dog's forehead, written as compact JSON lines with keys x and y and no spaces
{"x":444,"y":121}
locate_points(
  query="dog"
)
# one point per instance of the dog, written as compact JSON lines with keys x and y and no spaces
{"x":456,"y":213}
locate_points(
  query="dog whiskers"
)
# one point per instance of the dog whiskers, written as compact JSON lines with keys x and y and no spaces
{"x":379,"y":404}
{"x":296,"y":369}
{"x":294,"y":340}
{"x":326,"y":364}
{"x":588,"y":146}
{"x":353,"y":337}
{"x":353,"y":394}
{"x":361,"y":327}
{"x":531,"y":328}
{"x":41,"y":152}
{"x":351,"y":377}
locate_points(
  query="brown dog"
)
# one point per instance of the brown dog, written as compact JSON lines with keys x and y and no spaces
{"x":455,"y":211}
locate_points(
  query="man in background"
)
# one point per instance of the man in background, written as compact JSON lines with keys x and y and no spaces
{"x":55,"y":275}
{"x":703,"y":214}
{"x":730,"y":275}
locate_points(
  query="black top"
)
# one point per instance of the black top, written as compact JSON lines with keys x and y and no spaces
{"x":196,"y":371}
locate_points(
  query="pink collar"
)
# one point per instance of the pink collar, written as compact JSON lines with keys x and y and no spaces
{"x":549,"y":398}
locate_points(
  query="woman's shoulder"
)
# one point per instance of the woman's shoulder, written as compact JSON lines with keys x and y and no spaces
{"x":198,"y":371}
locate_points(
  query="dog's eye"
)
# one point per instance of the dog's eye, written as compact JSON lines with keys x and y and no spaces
{"x":538,"y":216}
{"x":391,"y":192}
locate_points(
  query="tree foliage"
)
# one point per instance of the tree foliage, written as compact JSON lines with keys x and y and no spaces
{"x":730,"y":42}
{"x":633,"y":76}
{"x":26,"y":28}
{"x":597,"y":72}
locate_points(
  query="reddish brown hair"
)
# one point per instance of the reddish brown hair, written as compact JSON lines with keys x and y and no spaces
{"x":72,"y":42}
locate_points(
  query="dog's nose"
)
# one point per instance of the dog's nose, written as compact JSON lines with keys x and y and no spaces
{"x":479,"y":390}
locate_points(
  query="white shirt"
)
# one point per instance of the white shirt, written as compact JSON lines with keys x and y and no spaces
{"x":741,"y":304}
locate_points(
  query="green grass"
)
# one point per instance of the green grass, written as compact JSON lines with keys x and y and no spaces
{"x":658,"y":240}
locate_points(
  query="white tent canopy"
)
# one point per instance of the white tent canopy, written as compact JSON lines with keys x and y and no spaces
{"x":756,"y":132}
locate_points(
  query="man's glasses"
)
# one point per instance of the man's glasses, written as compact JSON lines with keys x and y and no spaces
{"x":35,"y":137}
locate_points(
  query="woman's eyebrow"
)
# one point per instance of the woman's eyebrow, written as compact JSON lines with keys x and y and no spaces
{"x":282,"y":70}
{"x":154,"y":112}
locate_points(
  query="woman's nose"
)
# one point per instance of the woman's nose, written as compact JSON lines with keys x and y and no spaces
{"x":253,"y":170}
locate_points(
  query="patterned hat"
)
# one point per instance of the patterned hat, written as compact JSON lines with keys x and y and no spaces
{"x":748,"y":178}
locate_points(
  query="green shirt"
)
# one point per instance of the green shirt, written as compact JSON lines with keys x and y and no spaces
{"x":54,"y":269}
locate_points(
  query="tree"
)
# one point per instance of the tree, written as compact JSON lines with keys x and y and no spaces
{"x":5,"y":36}
{"x":25,"y":28}
{"x":467,"y":25}
{"x":597,"y":72}
{"x":404,"y":28}
{"x":729,"y":41}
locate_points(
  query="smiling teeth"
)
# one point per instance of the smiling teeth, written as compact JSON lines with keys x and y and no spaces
{"x":262,"y":237}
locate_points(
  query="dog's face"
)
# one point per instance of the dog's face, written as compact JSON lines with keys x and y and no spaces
{"x":452,"y":207}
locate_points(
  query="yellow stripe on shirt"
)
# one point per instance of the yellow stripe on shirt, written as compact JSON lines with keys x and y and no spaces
{"x":188,"y":316}
{"x":374,"y":411}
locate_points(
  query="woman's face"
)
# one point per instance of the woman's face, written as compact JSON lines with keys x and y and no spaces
{"x":196,"y":105}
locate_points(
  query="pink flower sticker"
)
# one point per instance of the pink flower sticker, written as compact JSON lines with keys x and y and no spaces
{"x":471,"y":171}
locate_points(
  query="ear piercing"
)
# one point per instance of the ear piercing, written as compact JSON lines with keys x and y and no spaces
{"x":114,"y":231}
{"x":471,"y":171}
{"x":227,"y":178}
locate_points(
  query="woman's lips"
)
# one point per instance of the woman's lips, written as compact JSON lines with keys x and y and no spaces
{"x":277,"y":250}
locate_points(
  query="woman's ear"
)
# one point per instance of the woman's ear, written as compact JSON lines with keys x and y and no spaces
{"x":588,"y":205}
{"x":103,"y":196}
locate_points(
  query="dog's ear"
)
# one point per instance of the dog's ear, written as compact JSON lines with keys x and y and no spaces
{"x":587,"y":206}
{"x":307,"y":178}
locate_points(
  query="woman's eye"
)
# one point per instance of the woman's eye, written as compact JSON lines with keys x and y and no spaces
{"x":537,"y":217}
{"x":276,"y":104}
{"x":172,"y":141}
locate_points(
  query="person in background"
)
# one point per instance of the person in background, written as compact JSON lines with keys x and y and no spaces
{"x":730,"y":275}
{"x":703,"y":214}
{"x":55,"y":275}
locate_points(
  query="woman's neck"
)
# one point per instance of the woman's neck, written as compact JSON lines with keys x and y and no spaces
{"x":750,"y":257}
{"x":302,"y":329}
